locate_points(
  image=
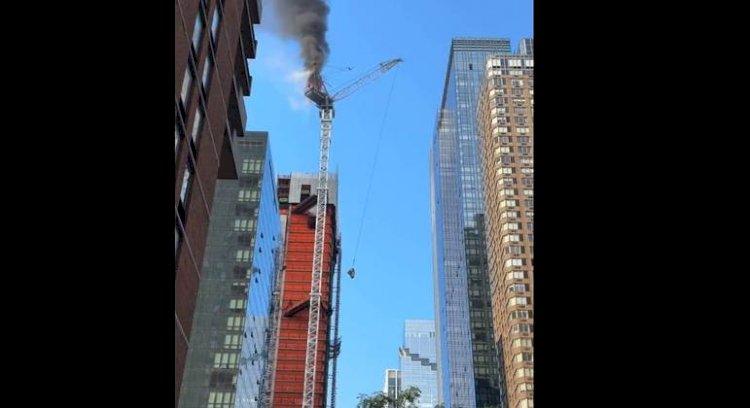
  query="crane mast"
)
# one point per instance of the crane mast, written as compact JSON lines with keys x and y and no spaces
{"x":317,"y":93}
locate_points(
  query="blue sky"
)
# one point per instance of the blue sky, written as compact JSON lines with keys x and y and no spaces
{"x":394,"y":257}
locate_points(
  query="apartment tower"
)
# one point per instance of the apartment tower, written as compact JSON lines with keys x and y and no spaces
{"x":213,"y":41}
{"x":506,"y":116}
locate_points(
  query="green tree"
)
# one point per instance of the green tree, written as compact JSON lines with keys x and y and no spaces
{"x":406,"y":399}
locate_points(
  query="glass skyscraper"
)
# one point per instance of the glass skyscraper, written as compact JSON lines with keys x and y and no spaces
{"x":469,"y":374}
{"x":227,"y":357}
{"x":419,"y":361}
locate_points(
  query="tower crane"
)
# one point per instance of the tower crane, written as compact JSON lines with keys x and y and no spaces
{"x":317,"y":93}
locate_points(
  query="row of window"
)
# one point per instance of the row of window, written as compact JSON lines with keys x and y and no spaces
{"x":514,"y":225}
{"x":524,"y":372}
{"x":521,"y":314}
{"x":518,"y":288}
{"x":226,"y":360}
{"x":220,"y":399}
{"x":516,"y":275}
{"x":252,"y":166}
{"x":512,"y":192}
{"x":509,"y":139}
{"x":514,"y":214}
{"x":509,"y":263}
{"x":522,"y":328}
{"x":522,"y":342}
{"x":526,"y":403}
{"x":524,"y":356}
{"x":498,"y":130}
{"x":509,"y":149}
{"x":527,"y":181}
{"x":235,"y":323}
{"x":519,"y":301}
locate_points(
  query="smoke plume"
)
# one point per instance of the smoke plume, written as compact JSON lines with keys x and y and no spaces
{"x":307,"y":22}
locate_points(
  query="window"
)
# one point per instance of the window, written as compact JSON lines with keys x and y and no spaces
{"x":506,"y":170}
{"x":235,"y":323}
{"x":197,"y":124}
{"x":220,"y":399}
{"x":177,"y":239}
{"x":177,"y":138}
{"x":522,"y":327}
{"x":506,"y":159}
{"x":525,"y":342}
{"x":243,"y":255}
{"x":528,"y":203}
{"x":524,"y":150}
{"x":520,"y":314}
{"x":528,"y":193}
{"x":237,"y":304}
{"x":527,"y":181}
{"x":527,"y":160}
{"x":208,"y":67}
{"x":525,"y":356}
{"x":215,"y":20}
{"x":517,"y":82}
{"x":525,"y":387}
{"x":531,"y":237}
{"x":507,"y":203}
{"x":530,"y":226}
{"x":503,"y":149}
{"x":504,"y":139}
{"x":509,"y":214}
{"x":187,"y":86}
{"x":515,"y":250}
{"x":510,"y":225}
{"x":522,"y":130}
{"x":200,"y":23}
{"x":232,"y":341}
{"x":527,"y":170}
{"x":523,"y":139}
{"x":529,"y":214}
{"x":225,"y":360}
{"x":244,"y":225}
{"x":187,"y":181}
{"x":247,"y":195}
{"x":516,"y":275}
{"x":526,"y":403}
{"x":251,"y":166}
{"x":517,"y":301}
{"x":511,"y":238}
{"x":514,"y":262}
{"x":518,"y":287}
{"x":508,"y":191}
{"x":509,"y":180}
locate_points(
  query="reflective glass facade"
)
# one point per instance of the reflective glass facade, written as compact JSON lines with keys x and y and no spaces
{"x":418,"y":359}
{"x":469,"y":368}
{"x":226,"y":360}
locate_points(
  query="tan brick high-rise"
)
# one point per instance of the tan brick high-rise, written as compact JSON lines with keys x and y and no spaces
{"x":505,"y":114}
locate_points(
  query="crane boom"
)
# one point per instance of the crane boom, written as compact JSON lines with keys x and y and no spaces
{"x":317,"y":93}
{"x":374,"y":74}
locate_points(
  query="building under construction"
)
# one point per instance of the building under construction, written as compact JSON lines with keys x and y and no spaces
{"x":297,"y":205}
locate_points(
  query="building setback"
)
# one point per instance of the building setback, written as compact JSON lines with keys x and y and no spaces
{"x":418,"y":359}
{"x":213,"y":40}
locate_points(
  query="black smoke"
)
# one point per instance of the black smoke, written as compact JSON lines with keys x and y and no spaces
{"x":307,"y":22}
